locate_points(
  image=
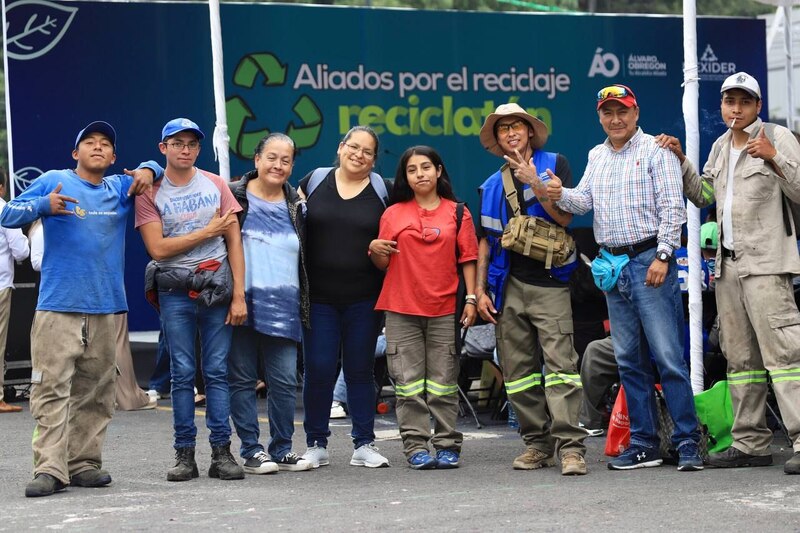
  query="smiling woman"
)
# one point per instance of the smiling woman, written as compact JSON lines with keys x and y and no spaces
{"x":345,"y":204}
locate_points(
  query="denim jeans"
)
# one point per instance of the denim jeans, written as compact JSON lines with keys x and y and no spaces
{"x":159,"y":380}
{"x":340,"y":389}
{"x":181,"y":317}
{"x":634,"y":309}
{"x":280,"y":363}
{"x":352,"y":330}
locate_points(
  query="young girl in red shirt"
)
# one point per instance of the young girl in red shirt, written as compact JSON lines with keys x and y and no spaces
{"x":417,"y":246}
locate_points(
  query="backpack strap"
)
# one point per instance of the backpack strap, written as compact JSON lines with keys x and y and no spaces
{"x":459,"y":217}
{"x":375,"y":180}
{"x":509,"y":189}
{"x":316,"y":178}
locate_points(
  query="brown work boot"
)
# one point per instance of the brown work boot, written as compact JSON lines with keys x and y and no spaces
{"x":531,"y":459}
{"x":6,"y":408}
{"x":572,"y":464}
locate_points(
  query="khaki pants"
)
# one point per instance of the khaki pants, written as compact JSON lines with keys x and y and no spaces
{"x":5,"y":314}
{"x":72,"y":398}
{"x":531,"y":316}
{"x":422,"y":359}
{"x":760,"y":337}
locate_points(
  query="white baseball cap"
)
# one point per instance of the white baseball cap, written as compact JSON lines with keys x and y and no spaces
{"x":742,"y":80}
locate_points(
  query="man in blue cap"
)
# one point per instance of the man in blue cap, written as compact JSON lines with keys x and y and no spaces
{"x":189,"y":226}
{"x":84,"y":213}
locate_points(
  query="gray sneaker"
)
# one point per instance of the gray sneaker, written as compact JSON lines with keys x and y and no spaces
{"x":317,"y":456}
{"x":367,"y":455}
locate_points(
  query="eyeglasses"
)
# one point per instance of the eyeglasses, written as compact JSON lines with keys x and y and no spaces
{"x":430,"y":234}
{"x":354,"y":149}
{"x":180,"y":146}
{"x":613,"y":91}
{"x":516,"y":127}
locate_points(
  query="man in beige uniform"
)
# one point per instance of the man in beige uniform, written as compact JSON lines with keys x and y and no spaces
{"x":753,"y":172}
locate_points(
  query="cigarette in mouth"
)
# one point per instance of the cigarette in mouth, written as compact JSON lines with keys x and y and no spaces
{"x":732,"y":122}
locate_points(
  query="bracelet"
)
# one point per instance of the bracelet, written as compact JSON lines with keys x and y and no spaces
{"x":471,"y":297}
{"x":471,"y":302}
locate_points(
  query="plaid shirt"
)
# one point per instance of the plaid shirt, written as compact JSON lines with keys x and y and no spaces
{"x":636,"y":194}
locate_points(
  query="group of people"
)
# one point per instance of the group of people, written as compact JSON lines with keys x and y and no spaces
{"x":260,"y":272}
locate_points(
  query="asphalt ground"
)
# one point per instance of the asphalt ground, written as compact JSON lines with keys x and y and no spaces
{"x":484,"y":494}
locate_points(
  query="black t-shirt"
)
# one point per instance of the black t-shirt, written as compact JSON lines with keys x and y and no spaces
{"x":338,"y":235}
{"x":524,"y":268}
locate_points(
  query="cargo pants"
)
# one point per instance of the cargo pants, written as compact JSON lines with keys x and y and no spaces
{"x":760,"y":337}
{"x":72,"y":398}
{"x":533,"y":315}
{"x":422,"y":359}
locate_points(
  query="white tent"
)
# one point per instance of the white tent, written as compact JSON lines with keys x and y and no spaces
{"x":783,"y":16}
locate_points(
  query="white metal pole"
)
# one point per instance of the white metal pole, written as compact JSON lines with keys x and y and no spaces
{"x":11,"y":189}
{"x":787,"y":41}
{"x":691,"y":93}
{"x":221,"y":139}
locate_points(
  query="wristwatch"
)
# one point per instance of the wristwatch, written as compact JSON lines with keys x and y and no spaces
{"x":663,"y":257}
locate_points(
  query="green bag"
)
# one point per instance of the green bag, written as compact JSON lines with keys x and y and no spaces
{"x":715,"y":411}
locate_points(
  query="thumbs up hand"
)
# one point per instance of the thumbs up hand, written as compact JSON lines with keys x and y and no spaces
{"x":761,"y":147}
{"x":553,"y":186}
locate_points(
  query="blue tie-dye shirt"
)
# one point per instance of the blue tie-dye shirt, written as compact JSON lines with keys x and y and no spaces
{"x":272,"y":280}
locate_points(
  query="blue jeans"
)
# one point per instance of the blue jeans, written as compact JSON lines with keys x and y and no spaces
{"x":352,"y":329}
{"x":634,"y":309}
{"x":280,"y":362}
{"x":181,"y":317}
{"x":159,"y":380}
{"x":340,"y":389}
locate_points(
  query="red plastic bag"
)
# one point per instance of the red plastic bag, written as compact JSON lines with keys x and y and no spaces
{"x":619,"y":427}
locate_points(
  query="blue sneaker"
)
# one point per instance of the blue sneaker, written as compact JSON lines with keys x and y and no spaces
{"x":636,"y":457}
{"x":446,"y":459}
{"x":689,"y":459}
{"x":422,"y":461}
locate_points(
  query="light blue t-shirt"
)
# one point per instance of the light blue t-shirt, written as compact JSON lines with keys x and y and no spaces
{"x":272,"y":278}
{"x":84,"y":252}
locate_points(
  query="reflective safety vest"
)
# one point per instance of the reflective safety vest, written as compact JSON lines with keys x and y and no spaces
{"x":494,"y":217}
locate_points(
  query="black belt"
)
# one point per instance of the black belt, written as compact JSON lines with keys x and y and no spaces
{"x":634,"y":249}
{"x":729,"y":253}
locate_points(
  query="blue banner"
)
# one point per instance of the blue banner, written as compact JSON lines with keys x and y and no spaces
{"x":417,"y":77}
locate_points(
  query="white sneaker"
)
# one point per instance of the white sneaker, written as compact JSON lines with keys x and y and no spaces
{"x":367,"y":455}
{"x":337,"y":410}
{"x":317,"y":456}
{"x":154,"y":394}
{"x":260,"y":463}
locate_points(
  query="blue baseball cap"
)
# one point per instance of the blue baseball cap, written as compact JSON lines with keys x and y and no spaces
{"x":177,"y":125}
{"x":98,"y":126}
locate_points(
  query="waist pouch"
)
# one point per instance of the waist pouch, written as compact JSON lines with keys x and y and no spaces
{"x":606,"y":269}
{"x":538,"y":239}
{"x":210,"y":284}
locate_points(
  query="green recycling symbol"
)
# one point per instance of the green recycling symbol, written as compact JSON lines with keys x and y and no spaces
{"x":243,"y":141}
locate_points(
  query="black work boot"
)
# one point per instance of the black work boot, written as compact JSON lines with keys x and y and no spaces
{"x":94,"y":477}
{"x":43,"y":485}
{"x":223,"y":465}
{"x":185,"y":467}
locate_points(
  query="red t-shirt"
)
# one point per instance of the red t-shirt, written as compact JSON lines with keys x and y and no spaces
{"x":422,"y":279}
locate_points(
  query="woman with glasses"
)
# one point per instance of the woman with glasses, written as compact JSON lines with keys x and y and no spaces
{"x":276,"y":292}
{"x":421,"y":245}
{"x":345,"y":204}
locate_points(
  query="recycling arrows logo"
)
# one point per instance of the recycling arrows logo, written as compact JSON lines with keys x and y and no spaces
{"x":244,"y":139}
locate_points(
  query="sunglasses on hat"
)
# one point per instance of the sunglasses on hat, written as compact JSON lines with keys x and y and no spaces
{"x":613,"y":91}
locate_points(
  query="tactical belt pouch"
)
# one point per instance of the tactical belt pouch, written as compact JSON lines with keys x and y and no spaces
{"x":534,"y":237}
